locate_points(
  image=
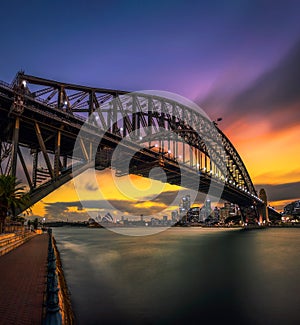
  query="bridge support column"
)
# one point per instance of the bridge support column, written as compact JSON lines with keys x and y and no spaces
{"x":65,"y":161}
{"x":91,"y":102}
{"x":264,"y":207}
{"x":57,"y":154}
{"x":43,"y":149}
{"x":60,"y":97}
{"x":15,"y":141}
{"x":134,"y":117}
{"x":34,"y":166}
{"x":91,"y":152}
{"x":263,"y":213}
{"x":25,"y":168}
{"x":267,"y":214}
{"x":84,"y":151}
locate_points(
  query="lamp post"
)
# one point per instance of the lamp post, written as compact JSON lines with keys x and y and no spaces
{"x":219,"y":119}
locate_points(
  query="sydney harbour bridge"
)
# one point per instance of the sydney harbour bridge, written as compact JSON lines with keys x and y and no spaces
{"x":51,"y":131}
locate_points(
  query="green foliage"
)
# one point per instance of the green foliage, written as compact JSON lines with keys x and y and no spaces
{"x":12,"y":197}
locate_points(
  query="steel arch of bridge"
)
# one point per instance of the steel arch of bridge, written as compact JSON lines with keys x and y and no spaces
{"x":45,"y":117}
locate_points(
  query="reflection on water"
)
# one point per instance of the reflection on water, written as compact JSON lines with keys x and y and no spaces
{"x":183,"y":276}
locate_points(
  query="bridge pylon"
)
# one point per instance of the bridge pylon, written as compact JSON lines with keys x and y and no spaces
{"x":263,"y":208}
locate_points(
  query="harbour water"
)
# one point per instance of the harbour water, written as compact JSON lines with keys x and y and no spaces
{"x":183,"y":276}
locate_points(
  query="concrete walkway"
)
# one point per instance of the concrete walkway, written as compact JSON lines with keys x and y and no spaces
{"x":22,"y":282}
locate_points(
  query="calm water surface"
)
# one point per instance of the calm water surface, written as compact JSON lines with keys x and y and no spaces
{"x":183,"y":276}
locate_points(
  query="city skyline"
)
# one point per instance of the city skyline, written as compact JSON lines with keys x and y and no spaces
{"x":238,"y":61}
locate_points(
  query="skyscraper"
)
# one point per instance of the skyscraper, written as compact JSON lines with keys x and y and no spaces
{"x":186,"y":202}
{"x":174,"y":216}
{"x":208,"y":205}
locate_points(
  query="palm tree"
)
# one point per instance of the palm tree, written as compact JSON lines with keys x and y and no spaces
{"x":12,"y":197}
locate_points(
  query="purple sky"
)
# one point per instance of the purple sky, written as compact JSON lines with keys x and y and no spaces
{"x":189,"y":47}
{"x":237,"y":59}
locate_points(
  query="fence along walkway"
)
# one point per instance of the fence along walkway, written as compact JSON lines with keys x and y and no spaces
{"x":22,"y":282}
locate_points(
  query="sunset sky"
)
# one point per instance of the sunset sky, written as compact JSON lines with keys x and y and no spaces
{"x":239,"y":60}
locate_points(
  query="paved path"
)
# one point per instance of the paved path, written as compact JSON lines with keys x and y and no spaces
{"x":22,"y":282}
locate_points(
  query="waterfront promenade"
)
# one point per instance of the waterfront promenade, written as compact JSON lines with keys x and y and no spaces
{"x":22,"y":282}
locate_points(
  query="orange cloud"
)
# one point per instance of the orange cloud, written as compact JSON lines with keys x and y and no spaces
{"x":279,"y":205}
{"x":105,"y":185}
{"x":273,"y":155}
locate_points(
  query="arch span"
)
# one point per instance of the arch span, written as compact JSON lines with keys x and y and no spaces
{"x":44,"y":117}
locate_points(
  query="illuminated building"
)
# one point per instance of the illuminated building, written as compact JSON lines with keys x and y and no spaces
{"x":165,"y":220}
{"x":174,"y":216}
{"x":292,"y":209}
{"x":193,"y":214}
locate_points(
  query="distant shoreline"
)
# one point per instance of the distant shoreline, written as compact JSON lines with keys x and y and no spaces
{"x":98,"y":226}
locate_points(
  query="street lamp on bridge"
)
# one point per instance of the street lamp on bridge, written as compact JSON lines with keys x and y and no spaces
{"x":219,"y":119}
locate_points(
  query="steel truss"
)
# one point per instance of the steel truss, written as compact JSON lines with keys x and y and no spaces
{"x":44,"y":117}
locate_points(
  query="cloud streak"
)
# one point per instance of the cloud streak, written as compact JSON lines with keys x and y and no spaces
{"x":274,"y":95}
{"x":62,"y":209}
{"x":164,"y":202}
{"x":279,"y":192}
